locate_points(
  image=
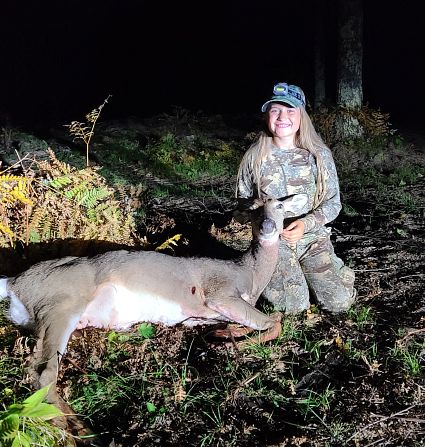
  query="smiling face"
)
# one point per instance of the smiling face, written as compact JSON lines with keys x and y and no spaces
{"x":283,"y":123}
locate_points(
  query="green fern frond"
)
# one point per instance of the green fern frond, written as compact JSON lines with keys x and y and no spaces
{"x":60,"y":182}
{"x":77,"y":191}
{"x":9,"y":426}
{"x":91,"y":197}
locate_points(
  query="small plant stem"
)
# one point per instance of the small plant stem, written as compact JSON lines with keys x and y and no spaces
{"x":88,"y":141}
{"x":384,"y":418}
{"x":408,"y":335}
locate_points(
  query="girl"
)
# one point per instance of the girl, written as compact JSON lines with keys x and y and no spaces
{"x":291,"y":158}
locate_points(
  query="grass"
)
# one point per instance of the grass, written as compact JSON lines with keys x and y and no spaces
{"x":379,"y":170}
{"x":291,"y":329}
{"x":314,"y":400}
{"x":361,"y":316}
{"x":181,"y":389}
{"x":411,"y":356}
{"x":102,"y":394}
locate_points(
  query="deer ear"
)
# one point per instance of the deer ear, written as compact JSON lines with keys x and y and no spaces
{"x":256,"y":204}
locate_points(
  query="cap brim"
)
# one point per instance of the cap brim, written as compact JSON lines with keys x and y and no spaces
{"x":287,"y":101}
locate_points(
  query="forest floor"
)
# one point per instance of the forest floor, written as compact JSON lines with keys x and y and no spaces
{"x":352,"y":379}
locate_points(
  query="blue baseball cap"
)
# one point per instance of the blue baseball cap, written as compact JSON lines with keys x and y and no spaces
{"x":286,"y":94}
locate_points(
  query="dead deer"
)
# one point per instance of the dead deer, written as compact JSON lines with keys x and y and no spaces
{"x":117,"y":289}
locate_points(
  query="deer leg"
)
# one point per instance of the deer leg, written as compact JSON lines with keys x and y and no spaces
{"x":236,"y":309}
{"x":54,"y":331}
{"x":232,"y":331}
{"x":53,"y":340}
{"x":54,"y":347}
{"x":269,"y":334}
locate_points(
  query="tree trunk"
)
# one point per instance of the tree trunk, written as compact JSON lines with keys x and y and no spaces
{"x":349,"y":69}
{"x":319,"y":56}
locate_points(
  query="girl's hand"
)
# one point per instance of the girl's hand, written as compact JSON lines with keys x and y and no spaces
{"x":293,"y":232}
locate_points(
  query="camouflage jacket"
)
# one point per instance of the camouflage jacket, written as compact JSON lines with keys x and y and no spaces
{"x":293,"y":171}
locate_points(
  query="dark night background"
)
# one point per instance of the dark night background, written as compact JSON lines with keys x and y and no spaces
{"x":62,"y":59}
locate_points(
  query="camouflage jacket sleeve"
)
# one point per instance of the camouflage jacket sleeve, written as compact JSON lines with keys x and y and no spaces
{"x":330,"y":207}
{"x":245,"y":187}
{"x":245,"y":198}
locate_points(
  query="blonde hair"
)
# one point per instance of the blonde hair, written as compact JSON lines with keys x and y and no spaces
{"x":306,"y":138}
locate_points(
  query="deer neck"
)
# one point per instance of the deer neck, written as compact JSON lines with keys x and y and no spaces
{"x":263,"y":258}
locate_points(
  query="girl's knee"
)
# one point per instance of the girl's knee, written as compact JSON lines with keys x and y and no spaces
{"x":336,"y":299}
{"x":291,"y":299}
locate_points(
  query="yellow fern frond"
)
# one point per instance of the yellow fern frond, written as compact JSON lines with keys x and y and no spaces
{"x":7,"y":178}
{"x":20,"y":196}
{"x":6,"y":230}
{"x":169,"y":242}
{"x":14,"y":188}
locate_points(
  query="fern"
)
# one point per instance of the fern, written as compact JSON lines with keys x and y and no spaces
{"x":14,"y":188}
{"x":60,"y":182}
{"x":374,"y":122}
{"x":8,"y":232}
{"x":85,"y":131}
{"x":14,"y":192}
{"x":60,"y":201}
{"x":169,"y":242}
{"x":76,"y":190}
{"x":91,"y":197}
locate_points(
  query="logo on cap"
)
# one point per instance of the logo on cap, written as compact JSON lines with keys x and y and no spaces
{"x":280,"y":89}
{"x":290,"y":94}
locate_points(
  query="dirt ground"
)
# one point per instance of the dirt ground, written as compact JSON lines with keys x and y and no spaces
{"x":352,"y":379}
{"x":212,"y":394}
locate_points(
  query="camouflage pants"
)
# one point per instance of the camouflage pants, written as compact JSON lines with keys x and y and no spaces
{"x":311,"y":266}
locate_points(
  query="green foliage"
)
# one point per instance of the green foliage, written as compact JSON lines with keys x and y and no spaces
{"x":103,"y":395}
{"x":146,"y":331}
{"x":291,"y":329}
{"x":348,"y":210}
{"x":314,"y":348}
{"x":59,"y":201}
{"x":315,"y":400}
{"x":411,"y":356}
{"x":150,"y":407}
{"x":25,"y":424}
{"x":185,"y":160}
{"x":258,"y":350}
{"x":361,"y":316}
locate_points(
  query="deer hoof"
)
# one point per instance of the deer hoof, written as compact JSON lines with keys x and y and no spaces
{"x":232,"y":331}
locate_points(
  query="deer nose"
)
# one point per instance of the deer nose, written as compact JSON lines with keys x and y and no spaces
{"x":268,"y":226}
